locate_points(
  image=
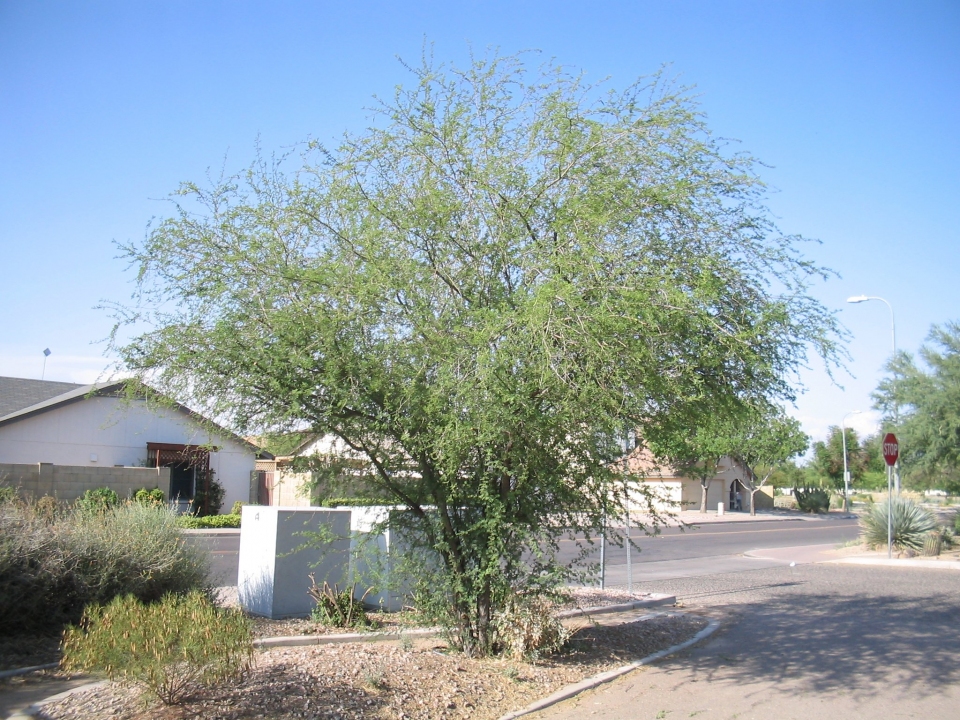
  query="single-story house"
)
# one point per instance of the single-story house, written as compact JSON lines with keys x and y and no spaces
{"x":103,"y":436}
{"x":673,"y":490}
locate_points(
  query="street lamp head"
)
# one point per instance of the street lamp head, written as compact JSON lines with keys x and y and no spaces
{"x":857,"y":299}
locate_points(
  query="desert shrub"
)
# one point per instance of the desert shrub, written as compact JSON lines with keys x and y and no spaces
{"x":527,"y":628}
{"x":50,"y":569}
{"x":149,"y":497}
{"x":170,"y":648}
{"x":7,"y":494}
{"x":337,"y":607}
{"x":812,"y":500}
{"x":97,"y":500}
{"x":192,"y":522}
{"x":48,"y":508}
{"x":956,"y":522}
{"x":910,"y":525}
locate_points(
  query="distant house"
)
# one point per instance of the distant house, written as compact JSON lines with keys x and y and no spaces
{"x":283,"y":481}
{"x":678,"y":492}
{"x":103,"y":435}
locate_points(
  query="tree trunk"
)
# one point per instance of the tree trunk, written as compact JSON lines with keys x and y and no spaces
{"x":753,"y":505}
{"x":703,"y":498}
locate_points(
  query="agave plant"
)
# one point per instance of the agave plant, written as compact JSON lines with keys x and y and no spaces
{"x":910,"y":526}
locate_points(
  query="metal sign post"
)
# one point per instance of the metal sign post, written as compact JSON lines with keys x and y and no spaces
{"x":891,"y":451}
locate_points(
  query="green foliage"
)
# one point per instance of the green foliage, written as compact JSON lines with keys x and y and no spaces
{"x":337,"y":607}
{"x":98,"y":500}
{"x":910,"y":525}
{"x":527,"y":628}
{"x":208,"y":522}
{"x":208,"y":497}
{"x":7,"y":494}
{"x":170,"y":647}
{"x":149,"y":497}
{"x":789,"y":475}
{"x":51,"y":566}
{"x":333,"y":502}
{"x":928,"y":401}
{"x":828,"y":458}
{"x":812,"y":500}
{"x":237,"y":508}
{"x":476,"y":296}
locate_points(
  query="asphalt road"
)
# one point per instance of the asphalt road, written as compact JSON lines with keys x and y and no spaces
{"x":700,"y":550}
{"x":818,"y":642}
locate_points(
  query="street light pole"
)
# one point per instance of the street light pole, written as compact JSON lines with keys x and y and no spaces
{"x":846,"y":472}
{"x":893,"y":337}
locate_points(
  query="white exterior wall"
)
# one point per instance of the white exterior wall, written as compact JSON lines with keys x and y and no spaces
{"x":105,"y":432}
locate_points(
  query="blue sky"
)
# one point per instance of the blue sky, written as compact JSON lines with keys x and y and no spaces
{"x":106,"y":106}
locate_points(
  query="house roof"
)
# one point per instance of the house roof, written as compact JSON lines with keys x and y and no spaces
{"x":73,"y":393}
{"x":19,"y":393}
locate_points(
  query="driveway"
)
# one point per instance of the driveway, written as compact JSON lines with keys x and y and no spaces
{"x":810,"y":642}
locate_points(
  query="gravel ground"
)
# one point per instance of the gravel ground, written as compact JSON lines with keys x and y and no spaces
{"x":386,"y":680}
{"x":392,"y":681}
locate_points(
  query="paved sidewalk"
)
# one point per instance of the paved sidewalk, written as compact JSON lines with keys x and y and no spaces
{"x":813,"y":642}
{"x":695,"y":517}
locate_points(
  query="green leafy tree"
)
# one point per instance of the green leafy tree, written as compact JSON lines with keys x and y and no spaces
{"x":928,"y":400}
{"x":475,"y":296}
{"x":828,"y":458}
{"x":763,"y":441}
{"x":696,"y":451}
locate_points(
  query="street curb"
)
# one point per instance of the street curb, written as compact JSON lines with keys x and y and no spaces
{"x":655,"y":600}
{"x":210,"y":531}
{"x":371,"y":637}
{"x":24,"y":670}
{"x":33,"y":710}
{"x":574,"y":689}
{"x":902,"y":563}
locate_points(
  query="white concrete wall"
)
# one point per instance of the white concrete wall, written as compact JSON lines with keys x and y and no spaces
{"x":106,"y":432}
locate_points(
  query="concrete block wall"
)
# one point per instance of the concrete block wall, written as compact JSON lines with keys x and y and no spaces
{"x":68,"y":482}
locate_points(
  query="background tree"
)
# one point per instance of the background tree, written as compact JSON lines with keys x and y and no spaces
{"x":695,"y":451}
{"x":476,"y":295}
{"x":763,"y":441}
{"x":828,"y":458}
{"x":929,"y":409}
{"x":874,"y":475}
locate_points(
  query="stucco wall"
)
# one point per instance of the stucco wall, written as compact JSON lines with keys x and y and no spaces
{"x":68,"y":482}
{"x":105,"y":432}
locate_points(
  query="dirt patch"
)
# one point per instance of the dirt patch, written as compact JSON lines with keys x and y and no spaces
{"x":392,"y":680}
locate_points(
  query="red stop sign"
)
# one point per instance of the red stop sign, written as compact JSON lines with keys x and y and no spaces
{"x":891,"y":448}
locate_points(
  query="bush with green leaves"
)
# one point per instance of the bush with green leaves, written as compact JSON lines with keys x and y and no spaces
{"x":812,"y":500}
{"x":333,"y":502}
{"x":149,"y":497}
{"x":51,"y":567}
{"x":910,"y":524}
{"x":208,"y":498}
{"x":237,"y":508}
{"x":170,"y":648}
{"x":99,"y":499}
{"x":527,"y":628}
{"x":337,"y":607}
{"x":208,"y":522}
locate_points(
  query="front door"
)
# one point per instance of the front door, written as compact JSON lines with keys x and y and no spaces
{"x":183,"y":478}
